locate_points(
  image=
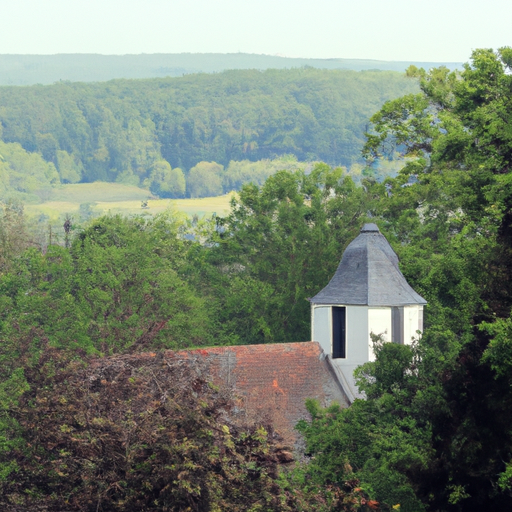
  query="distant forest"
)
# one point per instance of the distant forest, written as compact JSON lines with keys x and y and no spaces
{"x":47,"y":69}
{"x":153,"y":132}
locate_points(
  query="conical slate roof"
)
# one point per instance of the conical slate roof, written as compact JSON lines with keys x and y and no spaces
{"x":368,"y":274}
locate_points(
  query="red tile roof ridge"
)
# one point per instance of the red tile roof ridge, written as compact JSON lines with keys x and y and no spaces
{"x":298,"y":346}
{"x":216,"y":349}
{"x":261,"y":347}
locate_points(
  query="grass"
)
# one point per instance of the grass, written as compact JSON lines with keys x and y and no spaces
{"x":114,"y":198}
{"x":98,"y":192}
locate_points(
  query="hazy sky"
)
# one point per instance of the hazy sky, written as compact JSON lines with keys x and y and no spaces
{"x":434,"y":30}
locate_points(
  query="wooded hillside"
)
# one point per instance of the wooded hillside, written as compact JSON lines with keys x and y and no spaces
{"x":131,"y":130}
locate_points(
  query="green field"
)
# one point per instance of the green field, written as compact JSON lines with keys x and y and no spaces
{"x":104,"y":198}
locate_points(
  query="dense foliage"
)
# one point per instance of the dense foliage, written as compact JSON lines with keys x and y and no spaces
{"x":435,"y":432}
{"x":131,"y":130}
{"x":134,"y":434}
{"x":25,"y":173}
{"x":117,"y":288}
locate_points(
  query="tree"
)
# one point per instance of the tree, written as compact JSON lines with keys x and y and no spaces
{"x":14,"y":237}
{"x":244,"y":172}
{"x":70,"y":170}
{"x":279,"y":245}
{"x":23,"y":171}
{"x":379,"y":441}
{"x":104,"y":437}
{"x":166,"y":182}
{"x":205,"y":180}
{"x":117,"y":289}
{"x":437,"y":416}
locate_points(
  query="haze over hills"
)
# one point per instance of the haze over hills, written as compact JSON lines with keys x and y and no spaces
{"x":48,"y":69}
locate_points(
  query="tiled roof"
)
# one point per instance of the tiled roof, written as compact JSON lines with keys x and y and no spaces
{"x":273,"y":381}
{"x":270,"y":382}
{"x":368,"y":274}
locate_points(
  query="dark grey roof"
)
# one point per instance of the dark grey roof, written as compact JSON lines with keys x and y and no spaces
{"x":368,"y":274}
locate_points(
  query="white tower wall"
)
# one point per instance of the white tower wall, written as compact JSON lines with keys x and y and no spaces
{"x":379,"y":322}
{"x":413,"y":321}
{"x":321,"y":327}
{"x":357,"y":334}
{"x":356,"y":341}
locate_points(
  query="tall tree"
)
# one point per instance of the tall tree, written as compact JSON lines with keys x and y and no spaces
{"x":437,"y":417}
{"x":205,"y":179}
{"x":279,"y":245}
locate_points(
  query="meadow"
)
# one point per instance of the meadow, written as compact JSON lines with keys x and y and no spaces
{"x":101,"y":198}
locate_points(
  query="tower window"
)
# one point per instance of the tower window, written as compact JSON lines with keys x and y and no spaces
{"x":339,"y":339}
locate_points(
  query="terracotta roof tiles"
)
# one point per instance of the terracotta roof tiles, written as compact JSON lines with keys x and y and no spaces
{"x":273,"y":381}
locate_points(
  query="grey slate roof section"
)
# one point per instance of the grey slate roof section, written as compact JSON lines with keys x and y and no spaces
{"x":368,"y":274}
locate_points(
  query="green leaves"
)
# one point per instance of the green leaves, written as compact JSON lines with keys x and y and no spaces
{"x":136,"y":433}
{"x":499,"y":351}
{"x":279,"y":246}
{"x":118,"y":289}
{"x":434,"y":431}
{"x":395,"y":372}
{"x":119,"y":131}
{"x":404,"y":121}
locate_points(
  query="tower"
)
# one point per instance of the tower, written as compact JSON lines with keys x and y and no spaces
{"x":367,"y":294}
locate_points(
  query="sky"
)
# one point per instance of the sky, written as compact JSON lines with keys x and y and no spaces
{"x":414,"y":30}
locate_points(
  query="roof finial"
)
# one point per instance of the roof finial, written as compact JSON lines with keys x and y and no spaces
{"x":370,"y":228}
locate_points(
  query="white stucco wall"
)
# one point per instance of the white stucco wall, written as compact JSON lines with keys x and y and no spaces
{"x":412,"y":321}
{"x":357,"y":348}
{"x":356,"y":331}
{"x":379,"y":322}
{"x":356,"y":341}
{"x":360,"y":322}
{"x":321,"y":327}
{"x":357,"y":334}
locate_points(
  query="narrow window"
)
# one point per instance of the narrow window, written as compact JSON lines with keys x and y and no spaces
{"x":339,"y":342}
{"x":397,"y":325}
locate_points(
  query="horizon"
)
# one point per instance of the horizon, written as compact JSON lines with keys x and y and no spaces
{"x":220,"y":53}
{"x":398,"y":30}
